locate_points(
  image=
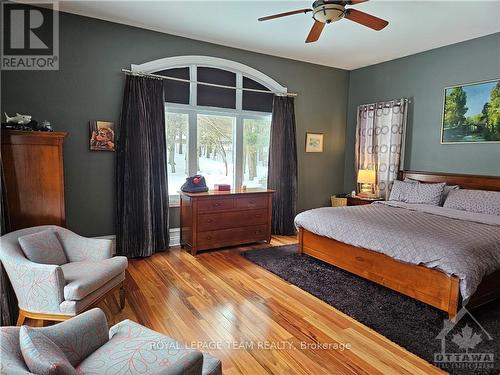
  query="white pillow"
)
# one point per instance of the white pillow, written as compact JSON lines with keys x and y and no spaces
{"x":446,"y":189}
{"x":400,"y":190}
{"x":480,"y":201}
{"x":426,"y":193}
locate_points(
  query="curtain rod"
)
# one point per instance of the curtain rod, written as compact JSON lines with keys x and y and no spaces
{"x":381,"y":105}
{"x":156,"y":76}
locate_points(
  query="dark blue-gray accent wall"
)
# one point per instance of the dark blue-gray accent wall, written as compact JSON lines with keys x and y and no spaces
{"x":422,"y":78}
{"x":89,"y":86}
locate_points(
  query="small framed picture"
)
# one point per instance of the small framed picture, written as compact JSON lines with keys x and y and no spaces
{"x":314,"y":142}
{"x":102,"y":136}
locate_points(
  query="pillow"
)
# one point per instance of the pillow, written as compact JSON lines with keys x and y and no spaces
{"x":426,"y":193}
{"x":479,"y":201}
{"x":447,"y":190}
{"x":43,"y":247}
{"x":41,"y":355}
{"x":400,"y":190}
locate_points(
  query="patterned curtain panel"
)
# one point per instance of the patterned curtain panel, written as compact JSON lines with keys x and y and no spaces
{"x":282,"y":171}
{"x":8,"y":300}
{"x":380,"y":136}
{"x":141,"y":170}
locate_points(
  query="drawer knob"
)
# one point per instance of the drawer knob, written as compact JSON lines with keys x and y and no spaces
{"x":217,"y":204}
{"x":257,"y":232}
{"x":258,"y":215}
{"x":209,"y":237}
{"x":209,"y":220}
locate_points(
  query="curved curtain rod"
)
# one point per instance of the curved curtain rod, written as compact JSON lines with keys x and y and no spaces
{"x":156,"y":76}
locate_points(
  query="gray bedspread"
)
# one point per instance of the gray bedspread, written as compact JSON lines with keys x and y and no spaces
{"x":457,"y":242}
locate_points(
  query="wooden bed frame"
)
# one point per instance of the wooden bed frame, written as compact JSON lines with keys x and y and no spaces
{"x":427,"y":285}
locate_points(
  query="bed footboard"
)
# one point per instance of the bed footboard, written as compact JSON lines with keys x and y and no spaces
{"x":427,"y":285}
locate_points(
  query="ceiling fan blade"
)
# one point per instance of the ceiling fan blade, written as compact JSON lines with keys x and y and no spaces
{"x":285,"y":14}
{"x":365,"y":19}
{"x":315,"y":32}
{"x":354,"y":2}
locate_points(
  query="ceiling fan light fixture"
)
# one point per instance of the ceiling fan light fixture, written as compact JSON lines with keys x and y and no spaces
{"x":328,"y":13}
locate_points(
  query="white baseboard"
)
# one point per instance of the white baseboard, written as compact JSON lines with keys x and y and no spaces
{"x":175,"y":238}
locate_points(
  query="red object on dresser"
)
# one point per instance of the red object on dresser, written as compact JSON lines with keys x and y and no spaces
{"x":222,"y":187}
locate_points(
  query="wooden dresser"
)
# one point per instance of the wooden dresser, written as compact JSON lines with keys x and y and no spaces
{"x":34,"y":177}
{"x":218,"y":219}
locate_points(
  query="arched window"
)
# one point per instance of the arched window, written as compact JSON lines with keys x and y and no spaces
{"x":220,"y":130}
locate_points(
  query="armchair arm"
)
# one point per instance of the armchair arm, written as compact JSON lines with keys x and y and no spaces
{"x":38,"y":287}
{"x":78,"y":248}
{"x":80,"y":336}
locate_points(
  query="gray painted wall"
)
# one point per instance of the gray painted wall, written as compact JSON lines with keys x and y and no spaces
{"x":422,"y":78}
{"x":89,"y":86}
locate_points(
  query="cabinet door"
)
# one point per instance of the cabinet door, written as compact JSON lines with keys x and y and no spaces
{"x":34,"y":179}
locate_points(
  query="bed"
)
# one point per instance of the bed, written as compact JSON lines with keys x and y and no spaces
{"x":436,"y":282}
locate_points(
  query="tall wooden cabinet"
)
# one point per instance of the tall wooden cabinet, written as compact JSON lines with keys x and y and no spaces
{"x":34,"y":177}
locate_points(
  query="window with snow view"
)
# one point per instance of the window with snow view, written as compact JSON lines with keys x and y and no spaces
{"x":220,"y":133}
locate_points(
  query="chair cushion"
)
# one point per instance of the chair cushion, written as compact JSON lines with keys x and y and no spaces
{"x":135,"y":349}
{"x":43,"y":247}
{"x":211,"y":365}
{"x":11,"y":358}
{"x":83,"y":278}
{"x":41,"y":355}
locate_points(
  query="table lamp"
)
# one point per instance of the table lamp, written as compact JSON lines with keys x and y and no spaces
{"x":366,"y":178}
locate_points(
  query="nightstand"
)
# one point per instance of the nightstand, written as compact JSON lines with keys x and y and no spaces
{"x":358,"y":201}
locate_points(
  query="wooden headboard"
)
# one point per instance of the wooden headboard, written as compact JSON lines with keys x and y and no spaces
{"x":465,"y":181}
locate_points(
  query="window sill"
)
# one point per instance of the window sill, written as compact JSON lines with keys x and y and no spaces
{"x":174,"y":204}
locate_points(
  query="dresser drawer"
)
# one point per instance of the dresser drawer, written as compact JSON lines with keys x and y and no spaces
{"x":230,"y":237}
{"x":217,"y":204}
{"x":224,"y":220}
{"x":259,"y":201}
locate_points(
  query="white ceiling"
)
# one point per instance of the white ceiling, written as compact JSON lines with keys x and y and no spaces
{"x":414,"y":26}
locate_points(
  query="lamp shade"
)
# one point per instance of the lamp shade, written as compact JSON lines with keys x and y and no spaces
{"x":366,"y":176}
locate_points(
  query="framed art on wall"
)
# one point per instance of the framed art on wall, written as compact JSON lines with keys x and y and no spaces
{"x":471,"y":113}
{"x":314,"y":142}
{"x":102,"y":136}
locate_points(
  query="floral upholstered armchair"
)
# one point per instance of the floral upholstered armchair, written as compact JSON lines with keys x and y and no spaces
{"x":57,"y":274}
{"x":84,"y":345}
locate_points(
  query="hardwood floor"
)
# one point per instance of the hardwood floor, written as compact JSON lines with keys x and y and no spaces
{"x":228,"y":306}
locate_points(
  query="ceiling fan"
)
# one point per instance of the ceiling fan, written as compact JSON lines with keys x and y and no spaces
{"x":327,"y":11}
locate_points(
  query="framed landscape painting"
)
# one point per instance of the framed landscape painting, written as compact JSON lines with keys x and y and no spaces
{"x":471,"y":113}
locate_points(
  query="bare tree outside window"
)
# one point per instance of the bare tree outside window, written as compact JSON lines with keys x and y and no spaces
{"x":215,"y":148}
{"x":177,"y":139}
{"x":256,"y":133}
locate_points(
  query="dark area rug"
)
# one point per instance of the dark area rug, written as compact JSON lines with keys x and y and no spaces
{"x":407,"y":322}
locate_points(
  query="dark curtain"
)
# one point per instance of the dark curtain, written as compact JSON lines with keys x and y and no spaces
{"x":8,"y":300}
{"x":282,"y":175}
{"x":141,"y":170}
